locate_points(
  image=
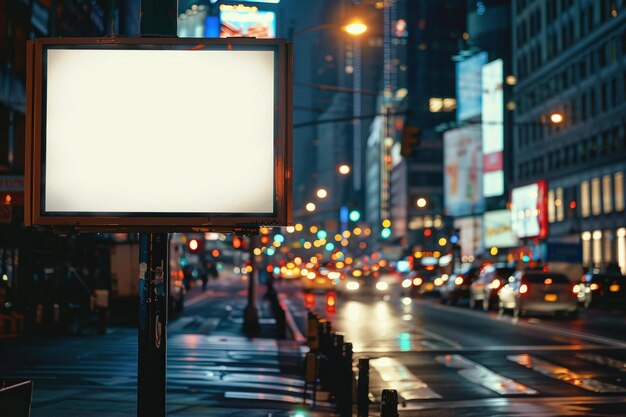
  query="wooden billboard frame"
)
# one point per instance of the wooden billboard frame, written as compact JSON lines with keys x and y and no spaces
{"x":35,"y":213}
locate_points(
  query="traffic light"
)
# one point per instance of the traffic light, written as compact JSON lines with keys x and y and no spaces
{"x":193,"y":245}
{"x":265,"y":239}
{"x":215,"y":253}
{"x":410,"y":139}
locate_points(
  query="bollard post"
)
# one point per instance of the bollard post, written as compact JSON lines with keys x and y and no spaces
{"x":389,"y":403}
{"x":363,"y":387}
{"x":346,"y":378}
{"x":313,"y":338}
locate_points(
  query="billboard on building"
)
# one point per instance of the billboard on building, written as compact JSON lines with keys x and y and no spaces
{"x":115,"y":140}
{"x":249,"y":21}
{"x":469,"y":86}
{"x":463,"y":171}
{"x":470,"y":235}
{"x":498,"y":231}
{"x":529,"y":211}
{"x":493,"y":128}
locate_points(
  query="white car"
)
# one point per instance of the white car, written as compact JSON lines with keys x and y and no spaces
{"x":483,"y":291}
{"x":538,"y":292}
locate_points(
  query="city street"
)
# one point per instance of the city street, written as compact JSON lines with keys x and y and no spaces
{"x":450,"y":361}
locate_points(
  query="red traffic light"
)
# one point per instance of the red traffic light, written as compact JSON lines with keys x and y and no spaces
{"x":428,"y":232}
{"x":265,"y":239}
{"x":215,"y":253}
{"x":237,"y":242}
{"x":193,"y":245}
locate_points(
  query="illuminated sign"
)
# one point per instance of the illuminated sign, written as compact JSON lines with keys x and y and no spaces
{"x":528,"y":211}
{"x":498,"y":231}
{"x":117,"y":140}
{"x":469,"y":86}
{"x":463,"y":171}
{"x":237,"y":21}
{"x":493,"y":128}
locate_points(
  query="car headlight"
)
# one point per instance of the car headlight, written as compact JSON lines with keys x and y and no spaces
{"x":352,"y":286}
{"x":382,"y":286}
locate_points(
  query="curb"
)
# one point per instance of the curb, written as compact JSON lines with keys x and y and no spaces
{"x":291,"y":322}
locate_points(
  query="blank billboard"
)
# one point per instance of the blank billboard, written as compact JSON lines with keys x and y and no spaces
{"x":160,"y":130}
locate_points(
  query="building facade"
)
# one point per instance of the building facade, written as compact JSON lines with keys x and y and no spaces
{"x":569,"y":58}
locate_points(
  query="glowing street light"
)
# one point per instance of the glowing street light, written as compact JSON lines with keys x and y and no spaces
{"x":310,"y":207}
{"x":355,"y":28}
{"x":321,"y":193}
{"x":344,"y":169}
{"x":421,"y":202}
{"x":556,"y":118}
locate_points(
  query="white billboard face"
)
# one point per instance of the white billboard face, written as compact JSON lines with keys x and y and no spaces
{"x":493,"y":128}
{"x":528,"y":211}
{"x":463,"y":171}
{"x":498,"y":231}
{"x":470,"y":238}
{"x":159,"y":131}
{"x":469,"y":86}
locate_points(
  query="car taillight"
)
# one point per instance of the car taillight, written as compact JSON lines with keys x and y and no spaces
{"x":594,"y":287}
{"x":458,"y":280}
{"x":495,"y":284}
{"x":576,"y":289}
{"x":523,"y":289}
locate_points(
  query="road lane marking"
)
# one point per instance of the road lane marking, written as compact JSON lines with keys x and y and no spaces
{"x":438,"y":337}
{"x":397,"y":376}
{"x":563,"y":374}
{"x":480,"y":375}
{"x":603,"y":360}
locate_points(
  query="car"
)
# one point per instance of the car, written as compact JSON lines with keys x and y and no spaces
{"x":602,"y":289}
{"x":484,"y":290}
{"x":456,"y":288}
{"x":318,"y":281}
{"x":538,"y":292}
{"x":421,"y":282}
{"x":367,"y":284}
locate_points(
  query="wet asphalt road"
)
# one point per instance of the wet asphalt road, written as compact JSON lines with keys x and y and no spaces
{"x":452,"y":361}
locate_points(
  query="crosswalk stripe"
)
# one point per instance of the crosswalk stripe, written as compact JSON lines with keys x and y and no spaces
{"x":398,"y":377}
{"x":478,"y":374}
{"x":602,"y":360}
{"x":563,"y":374}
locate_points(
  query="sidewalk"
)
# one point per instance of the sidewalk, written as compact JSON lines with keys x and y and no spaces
{"x":222,"y":373}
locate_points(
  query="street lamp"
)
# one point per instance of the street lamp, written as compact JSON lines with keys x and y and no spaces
{"x":355,"y":28}
{"x":421,"y":202}
{"x":343,"y":169}
{"x":310,"y":207}
{"x":556,"y":118}
{"x":321,"y":193}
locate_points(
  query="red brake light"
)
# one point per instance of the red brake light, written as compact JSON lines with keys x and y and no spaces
{"x":523,"y":289}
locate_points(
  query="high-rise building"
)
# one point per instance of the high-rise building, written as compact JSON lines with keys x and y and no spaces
{"x":434,"y":30}
{"x":569,"y":60}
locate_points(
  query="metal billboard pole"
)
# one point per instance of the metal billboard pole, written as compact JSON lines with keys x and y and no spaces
{"x":158,"y":18}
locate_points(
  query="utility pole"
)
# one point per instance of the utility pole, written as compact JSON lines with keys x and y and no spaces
{"x":158,"y":18}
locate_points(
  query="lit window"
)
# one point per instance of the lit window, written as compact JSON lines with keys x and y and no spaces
{"x":595,"y":196}
{"x":586,"y":238}
{"x":435,"y":104}
{"x":597,"y":248}
{"x":551,"y":206}
{"x":618,"y":183}
{"x":584,"y":199}
{"x":558,"y":202}
{"x":449,"y":104}
{"x":607,"y":194}
{"x":621,"y":249}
